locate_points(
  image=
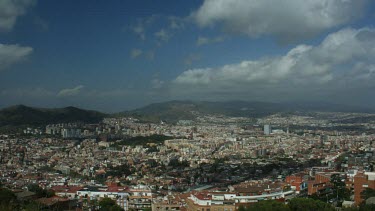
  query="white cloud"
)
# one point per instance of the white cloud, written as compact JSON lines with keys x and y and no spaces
{"x":342,"y":58}
{"x":169,"y":26}
{"x":70,"y":91}
{"x":288,"y":20}
{"x":140,"y":31}
{"x":11,"y":54}
{"x":156,"y":83}
{"x":206,"y":40}
{"x":163,"y":35}
{"x":143,"y":24}
{"x":134,"y":53}
{"x":10,"y":10}
{"x":176,"y":23}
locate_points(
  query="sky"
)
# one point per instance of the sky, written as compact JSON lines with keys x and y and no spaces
{"x":115,"y":55}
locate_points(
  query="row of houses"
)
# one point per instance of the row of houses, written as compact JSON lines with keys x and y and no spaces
{"x":129,"y":198}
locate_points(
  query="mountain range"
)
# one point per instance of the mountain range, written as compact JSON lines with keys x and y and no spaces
{"x":176,"y":110}
{"x":24,"y":115}
{"x":170,"y":111}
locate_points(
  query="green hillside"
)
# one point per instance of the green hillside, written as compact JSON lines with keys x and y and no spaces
{"x":24,"y":115}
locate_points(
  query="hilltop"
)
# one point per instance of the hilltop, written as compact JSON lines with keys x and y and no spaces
{"x":170,"y":111}
{"x":25,"y":115}
{"x":173,"y":111}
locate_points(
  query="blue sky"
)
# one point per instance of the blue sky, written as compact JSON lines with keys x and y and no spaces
{"x":118,"y":55}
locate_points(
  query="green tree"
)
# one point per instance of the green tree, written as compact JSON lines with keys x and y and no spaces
{"x":367,"y":207}
{"x":36,"y":189}
{"x":367,"y":193}
{"x":178,"y":164}
{"x":268,"y":205}
{"x":118,"y":171}
{"x":49,"y":193}
{"x":108,"y":204}
{"x":241,"y":208}
{"x":339,"y":187}
{"x":8,"y":200}
{"x":31,"y":206}
{"x":362,"y":207}
{"x":40,"y":192}
{"x":297,"y":204}
{"x":336,"y":180}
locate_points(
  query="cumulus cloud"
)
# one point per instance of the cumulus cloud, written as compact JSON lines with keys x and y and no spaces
{"x":10,"y":10}
{"x":70,"y":91}
{"x":206,"y":40}
{"x":343,"y":58}
{"x":289,"y":20}
{"x":11,"y":54}
{"x":134,"y":53}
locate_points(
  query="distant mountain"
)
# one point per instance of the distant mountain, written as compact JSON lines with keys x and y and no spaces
{"x":170,"y":111}
{"x":24,"y":115}
{"x":173,"y":111}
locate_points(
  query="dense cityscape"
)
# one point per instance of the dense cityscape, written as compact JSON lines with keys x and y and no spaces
{"x":212,"y":163}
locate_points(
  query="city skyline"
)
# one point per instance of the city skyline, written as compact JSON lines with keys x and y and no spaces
{"x":119,"y":55}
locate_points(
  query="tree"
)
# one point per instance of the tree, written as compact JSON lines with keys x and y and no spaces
{"x":40,"y":192}
{"x":178,"y":164}
{"x":118,"y":171}
{"x":49,"y":193}
{"x":336,"y":180}
{"x":6,"y":195}
{"x":367,"y":193}
{"x":31,"y":206}
{"x":339,"y":187}
{"x":36,"y":189}
{"x":7,"y":200}
{"x":297,"y":204}
{"x":108,"y":204}
{"x":241,"y":208}
{"x":269,"y":205}
{"x":362,"y":207}
{"x":367,"y":207}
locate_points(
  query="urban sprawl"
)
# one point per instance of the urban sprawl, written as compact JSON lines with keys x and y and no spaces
{"x":213,"y":163}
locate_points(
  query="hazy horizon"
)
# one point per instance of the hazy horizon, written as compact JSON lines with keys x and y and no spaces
{"x":302,"y":104}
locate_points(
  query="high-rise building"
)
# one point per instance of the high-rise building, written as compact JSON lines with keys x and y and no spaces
{"x":267,"y":129}
{"x":71,"y":133}
{"x":363,"y":180}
